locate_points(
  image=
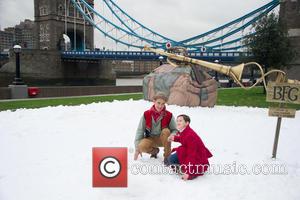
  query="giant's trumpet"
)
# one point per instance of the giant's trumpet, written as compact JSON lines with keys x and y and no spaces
{"x":234,"y":72}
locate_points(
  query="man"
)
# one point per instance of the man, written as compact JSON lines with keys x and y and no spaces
{"x":155,"y":126}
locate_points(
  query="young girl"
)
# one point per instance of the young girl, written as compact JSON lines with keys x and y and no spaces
{"x":192,"y":156}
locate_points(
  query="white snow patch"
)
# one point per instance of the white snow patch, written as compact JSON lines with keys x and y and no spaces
{"x":46,"y":153}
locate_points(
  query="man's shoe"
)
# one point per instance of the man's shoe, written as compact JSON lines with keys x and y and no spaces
{"x":166,"y":162}
{"x":154,"y":152}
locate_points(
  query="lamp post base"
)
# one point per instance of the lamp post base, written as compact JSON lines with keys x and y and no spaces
{"x":18,"y":81}
{"x":18,"y":91}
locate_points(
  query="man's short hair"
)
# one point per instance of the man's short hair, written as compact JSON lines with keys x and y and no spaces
{"x":160,"y":95}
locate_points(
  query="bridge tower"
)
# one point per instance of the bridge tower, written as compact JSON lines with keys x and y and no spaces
{"x":290,"y":16}
{"x":53,"y":20}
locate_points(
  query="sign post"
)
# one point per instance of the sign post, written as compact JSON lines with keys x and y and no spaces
{"x":282,"y":93}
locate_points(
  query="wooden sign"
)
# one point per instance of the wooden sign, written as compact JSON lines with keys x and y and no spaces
{"x":283,"y":93}
{"x":282,"y":112}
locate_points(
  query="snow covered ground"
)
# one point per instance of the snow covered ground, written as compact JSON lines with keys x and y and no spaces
{"x":46,"y":154}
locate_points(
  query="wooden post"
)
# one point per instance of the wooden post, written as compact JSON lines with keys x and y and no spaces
{"x":282,"y":93}
{"x":276,"y":137}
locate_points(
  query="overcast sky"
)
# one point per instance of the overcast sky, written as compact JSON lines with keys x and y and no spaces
{"x":176,"y":19}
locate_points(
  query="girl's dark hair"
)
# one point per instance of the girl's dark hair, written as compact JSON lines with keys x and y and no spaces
{"x":185,"y":118}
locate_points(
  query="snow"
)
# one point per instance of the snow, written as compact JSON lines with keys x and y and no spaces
{"x":46,"y":153}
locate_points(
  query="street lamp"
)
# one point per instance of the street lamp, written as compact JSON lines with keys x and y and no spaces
{"x":216,"y":73}
{"x":17,"y":80}
{"x":160,"y":60}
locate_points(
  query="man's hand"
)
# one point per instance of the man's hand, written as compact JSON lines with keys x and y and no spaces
{"x":147,"y":133}
{"x":171,"y":138}
{"x":136,"y":154}
{"x":185,"y":177}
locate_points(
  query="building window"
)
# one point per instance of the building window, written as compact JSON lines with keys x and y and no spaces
{"x":43,"y":10}
{"x":44,"y":33}
{"x":71,"y":11}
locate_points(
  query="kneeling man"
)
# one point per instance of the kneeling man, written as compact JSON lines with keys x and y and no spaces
{"x":155,"y":126}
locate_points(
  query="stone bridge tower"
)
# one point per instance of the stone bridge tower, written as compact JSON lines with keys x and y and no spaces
{"x":290,"y":16}
{"x":50,"y":18}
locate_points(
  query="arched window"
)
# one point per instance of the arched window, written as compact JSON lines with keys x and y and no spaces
{"x":71,"y":10}
{"x":44,"y":33}
{"x":43,"y":10}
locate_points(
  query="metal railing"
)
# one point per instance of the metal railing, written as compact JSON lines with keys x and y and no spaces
{"x":142,"y":55}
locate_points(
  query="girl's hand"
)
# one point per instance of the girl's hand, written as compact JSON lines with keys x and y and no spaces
{"x":171,"y":138}
{"x":185,"y":177}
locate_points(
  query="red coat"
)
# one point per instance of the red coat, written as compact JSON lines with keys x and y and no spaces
{"x":192,"y":152}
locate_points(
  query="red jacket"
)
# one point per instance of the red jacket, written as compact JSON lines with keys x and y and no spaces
{"x":192,"y":154}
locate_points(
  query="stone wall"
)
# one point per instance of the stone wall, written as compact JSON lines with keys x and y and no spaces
{"x":45,"y":67}
{"x":290,"y":16}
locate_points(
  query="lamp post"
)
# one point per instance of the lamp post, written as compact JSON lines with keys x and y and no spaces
{"x":216,"y":73}
{"x":17,"y":80}
{"x":160,"y":60}
{"x":18,"y":89}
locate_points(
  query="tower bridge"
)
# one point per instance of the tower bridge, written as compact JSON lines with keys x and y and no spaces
{"x":65,"y":54}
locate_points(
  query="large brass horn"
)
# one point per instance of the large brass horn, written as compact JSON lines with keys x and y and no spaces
{"x":234,"y":72}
